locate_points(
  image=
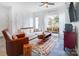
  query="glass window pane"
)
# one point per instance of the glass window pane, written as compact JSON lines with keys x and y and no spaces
{"x":36,"y":22}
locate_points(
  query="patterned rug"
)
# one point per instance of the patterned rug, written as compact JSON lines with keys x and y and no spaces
{"x":44,"y":49}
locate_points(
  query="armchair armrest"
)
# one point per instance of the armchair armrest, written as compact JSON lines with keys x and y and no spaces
{"x":24,"y":40}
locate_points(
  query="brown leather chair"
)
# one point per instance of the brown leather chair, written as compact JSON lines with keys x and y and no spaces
{"x":14,"y":46}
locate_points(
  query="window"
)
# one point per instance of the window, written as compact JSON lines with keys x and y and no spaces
{"x":36,"y":22}
{"x":31,"y":22}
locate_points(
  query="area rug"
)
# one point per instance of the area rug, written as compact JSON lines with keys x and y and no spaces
{"x":45,"y":48}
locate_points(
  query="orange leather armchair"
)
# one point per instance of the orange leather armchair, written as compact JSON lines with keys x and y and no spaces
{"x":14,"y":46}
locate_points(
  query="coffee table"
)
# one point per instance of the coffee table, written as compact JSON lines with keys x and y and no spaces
{"x":45,"y":48}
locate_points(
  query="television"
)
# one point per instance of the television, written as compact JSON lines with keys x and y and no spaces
{"x":68,"y":27}
{"x":72,"y":12}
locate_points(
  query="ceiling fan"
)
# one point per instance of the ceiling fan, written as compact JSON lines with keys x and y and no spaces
{"x":46,"y":4}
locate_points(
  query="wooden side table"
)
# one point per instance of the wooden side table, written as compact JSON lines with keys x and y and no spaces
{"x":27,"y":50}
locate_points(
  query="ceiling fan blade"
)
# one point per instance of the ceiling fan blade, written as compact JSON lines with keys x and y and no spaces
{"x":44,"y":2}
{"x":51,"y":3}
{"x":41,"y":4}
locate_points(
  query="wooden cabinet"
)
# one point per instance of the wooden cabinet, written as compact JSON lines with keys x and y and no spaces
{"x":27,"y":50}
{"x":69,"y":40}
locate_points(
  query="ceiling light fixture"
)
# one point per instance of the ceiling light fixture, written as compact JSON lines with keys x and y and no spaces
{"x":46,"y":4}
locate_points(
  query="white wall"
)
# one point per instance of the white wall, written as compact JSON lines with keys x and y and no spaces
{"x":61,"y":22}
{"x":77,"y":31}
{"x":4,"y":18}
{"x":77,"y":25}
{"x":77,"y":37}
{"x":63,"y":18}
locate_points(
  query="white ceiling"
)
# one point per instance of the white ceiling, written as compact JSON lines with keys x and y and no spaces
{"x":31,"y":6}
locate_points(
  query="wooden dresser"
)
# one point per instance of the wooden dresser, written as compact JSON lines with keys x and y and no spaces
{"x":69,"y":40}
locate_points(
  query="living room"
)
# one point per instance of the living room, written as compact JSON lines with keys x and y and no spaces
{"x":34,"y":19}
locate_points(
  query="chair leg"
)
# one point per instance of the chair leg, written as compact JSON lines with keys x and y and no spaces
{"x":64,"y":49}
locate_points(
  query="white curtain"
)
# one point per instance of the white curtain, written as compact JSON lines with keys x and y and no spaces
{"x":21,"y":21}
